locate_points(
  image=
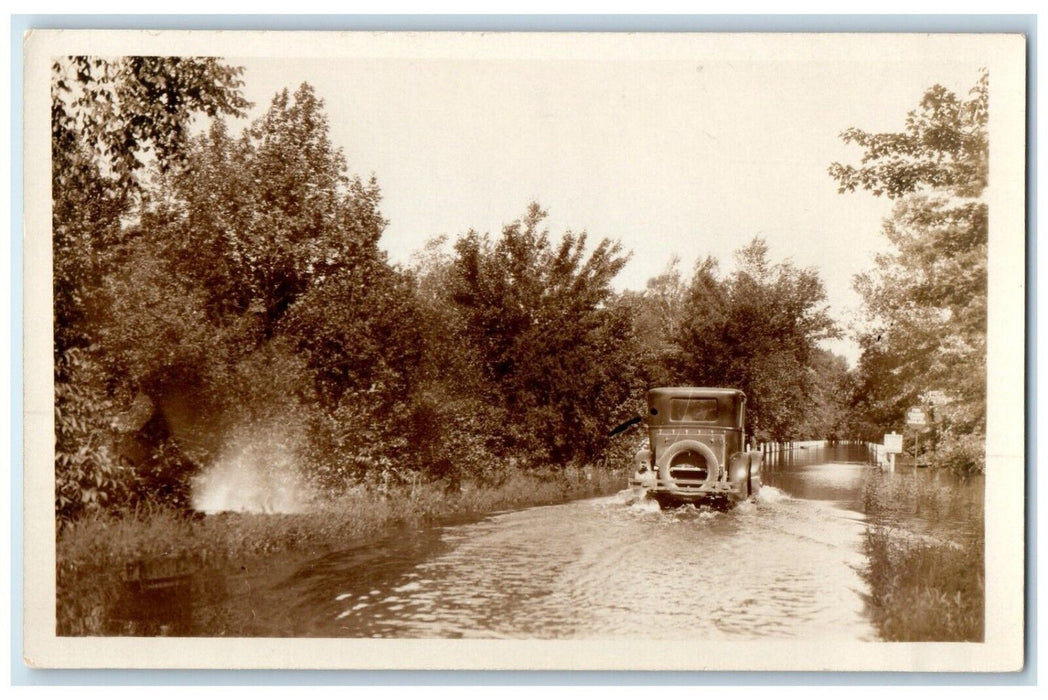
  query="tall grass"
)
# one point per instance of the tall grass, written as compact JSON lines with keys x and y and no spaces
{"x":925,"y":547}
{"x":96,"y":553}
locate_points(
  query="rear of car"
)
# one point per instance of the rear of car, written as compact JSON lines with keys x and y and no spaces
{"x":696,"y":448}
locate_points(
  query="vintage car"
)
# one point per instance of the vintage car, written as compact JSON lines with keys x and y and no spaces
{"x":697,"y":448}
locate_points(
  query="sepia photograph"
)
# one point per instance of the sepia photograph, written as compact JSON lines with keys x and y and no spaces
{"x":524,"y":350}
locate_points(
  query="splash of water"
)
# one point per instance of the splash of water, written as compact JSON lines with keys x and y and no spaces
{"x":645,"y":505}
{"x":627,"y":496}
{"x":256,"y":473}
{"x":690,"y":511}
{"x":636,"y":498}
{"x":770,"y":494}
{"x":747,"y":506}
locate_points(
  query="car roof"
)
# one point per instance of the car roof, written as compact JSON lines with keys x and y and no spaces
{"x":693,"y":392}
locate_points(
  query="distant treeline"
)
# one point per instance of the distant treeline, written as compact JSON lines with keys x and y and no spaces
{"x":225,"y":287}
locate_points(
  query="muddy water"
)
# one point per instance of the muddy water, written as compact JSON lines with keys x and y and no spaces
{"x":784,"y":566}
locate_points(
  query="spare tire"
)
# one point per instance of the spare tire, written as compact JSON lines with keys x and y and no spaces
{"x":677,"y":449}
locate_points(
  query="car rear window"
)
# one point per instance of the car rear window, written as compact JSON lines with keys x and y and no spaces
{"x":701,"y":410}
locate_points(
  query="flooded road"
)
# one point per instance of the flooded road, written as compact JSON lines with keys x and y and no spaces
{"x":783,"y":566}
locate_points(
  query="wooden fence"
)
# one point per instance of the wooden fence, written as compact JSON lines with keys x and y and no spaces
{"x":785,"y":453}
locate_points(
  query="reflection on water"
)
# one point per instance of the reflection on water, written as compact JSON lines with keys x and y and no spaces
{"x":833,"y":474}
{"x":936,"y":503}
{"x":783,"y":566}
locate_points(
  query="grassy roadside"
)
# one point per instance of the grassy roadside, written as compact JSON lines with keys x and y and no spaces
{"x":925,"y":547}
{"x":98,"y":555}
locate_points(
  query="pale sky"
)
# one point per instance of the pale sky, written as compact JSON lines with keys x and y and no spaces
{"x":669,"y":157}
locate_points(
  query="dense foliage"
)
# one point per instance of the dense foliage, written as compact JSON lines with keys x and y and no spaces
{"x":555,"y":355}
{"x":924,"y":337}
{"x":109,"y":118}
{"x":757,"y":329}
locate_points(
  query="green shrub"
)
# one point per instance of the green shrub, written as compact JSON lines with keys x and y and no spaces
{"x":962,"y":454}
{"x":924,"y":589}
{"x":924,"y":544}
{"x":87,"y":474}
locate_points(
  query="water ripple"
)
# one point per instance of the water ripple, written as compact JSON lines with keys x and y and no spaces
{"x":775,"y":567}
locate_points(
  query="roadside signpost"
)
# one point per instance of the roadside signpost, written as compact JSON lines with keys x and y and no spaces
{"x":916,"y":419}
{"x":892,"y":447}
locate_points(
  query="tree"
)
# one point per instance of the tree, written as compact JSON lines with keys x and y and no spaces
{"x":108,"y":119}
{"x":657,"y":313}
{"x":124,"y":111}
{"x":255,"y":266}
{"x":275,"y":210}
{"x":272,"y":233}
{"x":944,"y":147}
{"x":829,"y":415}
{"x":925,"y":301}
{"x":757,"y":330}
{"x":456,"y":427}
{"x":553,"y":349}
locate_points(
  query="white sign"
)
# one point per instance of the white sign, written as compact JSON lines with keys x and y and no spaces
{"x":915,"y":417}
{"x":893,"y":443}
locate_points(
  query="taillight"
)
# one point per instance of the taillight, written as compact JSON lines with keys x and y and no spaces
{"x":739,"y":467}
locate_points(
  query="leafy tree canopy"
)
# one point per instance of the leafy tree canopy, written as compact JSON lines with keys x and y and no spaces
{"x":118,"y":110}
{"x":657,"y":312}
{"x":271,"y":239}
{"x":758,"y":330}
{"x":554,"y":350}
{"x":925,"y":301}
{"x":943,"y":147}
